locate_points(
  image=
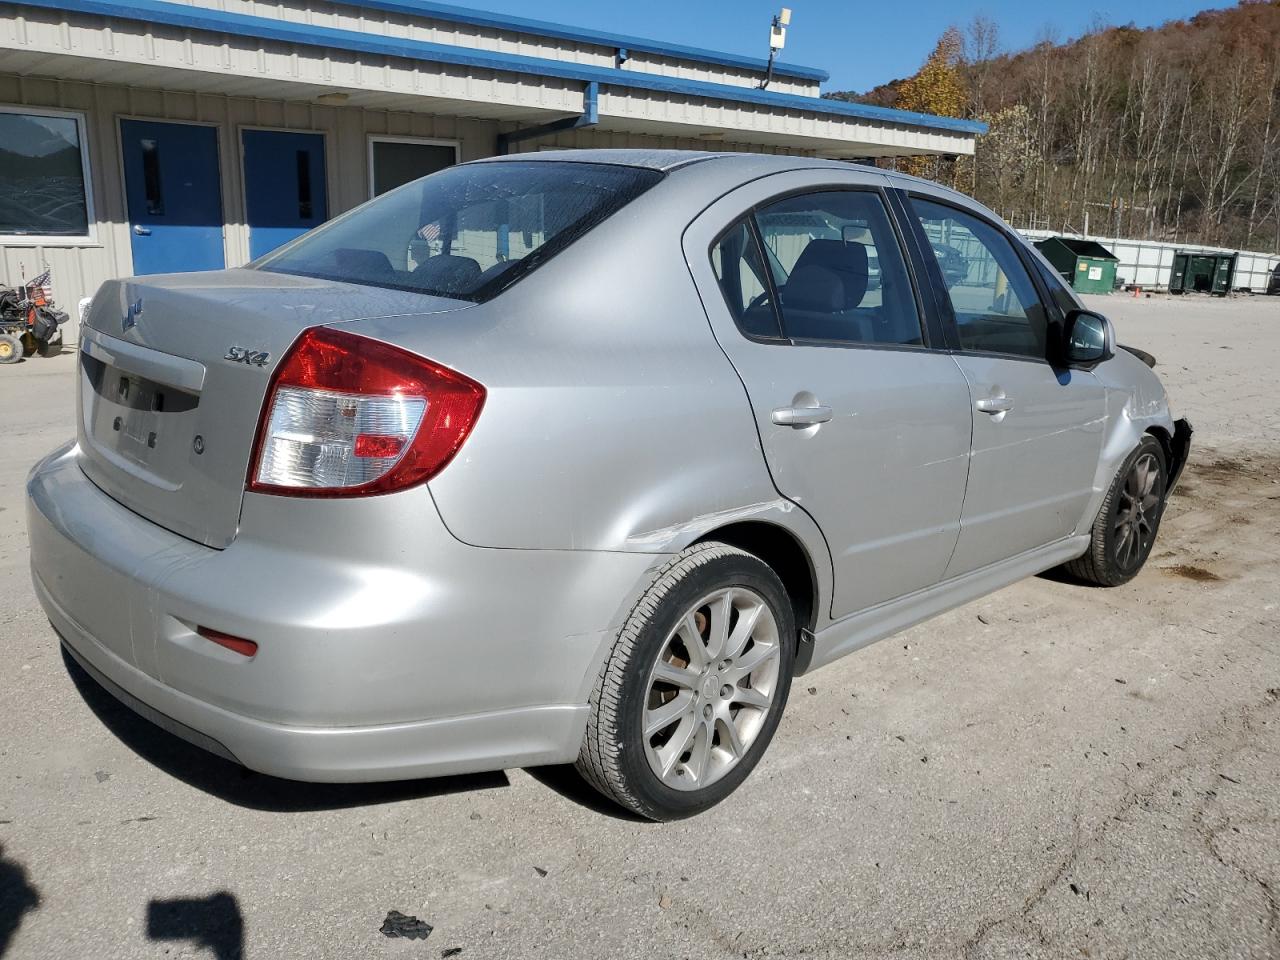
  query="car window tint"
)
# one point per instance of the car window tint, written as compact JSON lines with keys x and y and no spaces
{"x":468,"y":231}
{"x":739,"y":268}
{"x":1062,"y":298}
{"x":995,"y":303}
{"x":839,"y":269}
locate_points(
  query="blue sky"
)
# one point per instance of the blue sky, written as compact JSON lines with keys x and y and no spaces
{"x":860,"y":44}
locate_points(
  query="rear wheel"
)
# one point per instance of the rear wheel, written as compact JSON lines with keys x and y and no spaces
{"x":1127,"y":523}
{"x":693,"y":690}
{"x":10,"y":348}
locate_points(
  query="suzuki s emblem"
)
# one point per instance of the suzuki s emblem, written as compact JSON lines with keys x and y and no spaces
{"x":258,"y":358}
{"x":131,"y":315}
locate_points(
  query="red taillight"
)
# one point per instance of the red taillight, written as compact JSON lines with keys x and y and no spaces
{"x":246,"y":648}
{"x":349,"y":416}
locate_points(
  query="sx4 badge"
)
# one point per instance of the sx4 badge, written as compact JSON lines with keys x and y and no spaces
{"x":257,"y":358}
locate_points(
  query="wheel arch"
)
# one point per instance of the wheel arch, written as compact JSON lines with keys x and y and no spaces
{"x":1176,"y":446}
{"x":788,"y":557}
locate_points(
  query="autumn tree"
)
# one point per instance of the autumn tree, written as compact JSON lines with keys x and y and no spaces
{"x":1169,"y":133}
{"x":937,"y":88}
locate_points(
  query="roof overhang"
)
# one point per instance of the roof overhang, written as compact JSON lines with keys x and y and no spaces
{"x":180,"y":47}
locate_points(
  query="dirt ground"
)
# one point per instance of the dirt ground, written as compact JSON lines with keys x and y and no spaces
{"x":1052,"y":771}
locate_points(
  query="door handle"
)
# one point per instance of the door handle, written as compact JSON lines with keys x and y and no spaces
{"x":995,"y":404}
{"x":141,"y":231}
{"x":801,"y":416}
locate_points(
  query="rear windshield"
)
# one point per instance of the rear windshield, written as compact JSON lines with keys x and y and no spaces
{"x":467,"y":232}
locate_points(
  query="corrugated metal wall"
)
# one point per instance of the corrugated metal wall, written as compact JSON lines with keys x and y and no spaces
{"x":1148,"y":263}
{"x":369,"y":20}
{"x":79,"y":267}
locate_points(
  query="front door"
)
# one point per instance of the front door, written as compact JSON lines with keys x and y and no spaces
{"x":1037,"y":429}
{"x":284,"y":187}
{"x":863,"y":425}
{"x":174,"y":196}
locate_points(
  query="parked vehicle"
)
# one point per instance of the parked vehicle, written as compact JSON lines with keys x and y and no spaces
{"x":29,"y":322}
{"x":589,"y":475}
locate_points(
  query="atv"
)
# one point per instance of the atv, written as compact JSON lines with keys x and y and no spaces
{"x":29,"y":323}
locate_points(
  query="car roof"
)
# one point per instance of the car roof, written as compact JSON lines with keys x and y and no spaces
{"x":727,"y":163}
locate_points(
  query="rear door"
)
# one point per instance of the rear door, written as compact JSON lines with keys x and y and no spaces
{"x":863,"y":425}
{"x":1037,"y":429}
{"x":284,"y":186}
{"x":173,"y":192}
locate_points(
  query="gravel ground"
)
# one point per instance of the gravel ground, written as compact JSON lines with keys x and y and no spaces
{"x":1051,"y":771}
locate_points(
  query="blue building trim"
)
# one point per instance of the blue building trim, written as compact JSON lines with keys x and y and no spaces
{"x":261,"y":28}
{"x":560,"y":31}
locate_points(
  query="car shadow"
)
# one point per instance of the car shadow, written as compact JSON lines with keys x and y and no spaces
{"x":564,"y":780}
{"x":242,"y":787}
{"x":18,"y":896}
{"x":1061,"y":575}
{"x":214,"y":923}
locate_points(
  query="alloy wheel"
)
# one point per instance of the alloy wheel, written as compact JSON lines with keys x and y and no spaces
{"x":711,"y":688}
{"x":1137,"y":511}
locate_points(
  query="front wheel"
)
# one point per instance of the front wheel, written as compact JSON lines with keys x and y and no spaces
{"x":695,"y":685}
{"x":1125,"y":529}
{"x":10,"y":348}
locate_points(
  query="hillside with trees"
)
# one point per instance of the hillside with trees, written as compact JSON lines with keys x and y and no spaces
{"x":1169,"y":133}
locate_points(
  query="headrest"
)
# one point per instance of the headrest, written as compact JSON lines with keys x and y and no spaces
{"x":448,"y":273}
{"x":847,"y":260}
{"x":815,"y":288}
{"x":366,"y":263}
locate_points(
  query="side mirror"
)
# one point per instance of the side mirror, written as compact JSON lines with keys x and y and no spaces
{"x":1087,"y":338}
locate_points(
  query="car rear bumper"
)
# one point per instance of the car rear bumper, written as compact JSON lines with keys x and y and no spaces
{"x":399,"y":655}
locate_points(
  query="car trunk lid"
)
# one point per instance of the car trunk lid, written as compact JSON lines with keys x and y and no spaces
{"x":173,"y":374}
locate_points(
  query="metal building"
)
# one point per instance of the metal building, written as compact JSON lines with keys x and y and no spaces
{"x":162,"y":135}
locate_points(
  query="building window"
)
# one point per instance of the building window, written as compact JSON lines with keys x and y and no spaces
{"x":394,"y":161}
{"x":44,"y":175}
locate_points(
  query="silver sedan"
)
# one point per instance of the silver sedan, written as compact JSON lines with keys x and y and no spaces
{"x":579,"y":457}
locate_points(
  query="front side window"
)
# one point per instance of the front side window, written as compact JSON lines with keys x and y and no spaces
{"x":839,"y":270}
{"x":43,"y":175}
{"x":1062,"y":298}
{"x":995,"y":303}
{"x":467,"y":232}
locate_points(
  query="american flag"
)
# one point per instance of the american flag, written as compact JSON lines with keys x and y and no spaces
{"x":430,"y":232}
{"x":41,"y":288}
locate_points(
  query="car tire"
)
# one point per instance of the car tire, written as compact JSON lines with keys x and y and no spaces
{"x":727,"y":697}
{"x":1122,"y":539}
{"x":10,"y":348}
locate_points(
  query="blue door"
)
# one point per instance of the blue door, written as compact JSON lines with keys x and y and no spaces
{"x":174,"y":195}
{"x":284,"y":187}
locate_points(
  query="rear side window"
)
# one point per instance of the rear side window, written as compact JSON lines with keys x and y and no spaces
{"x":740,"y":269}
{"x":839,"y":269}
{"x":467,"y":232}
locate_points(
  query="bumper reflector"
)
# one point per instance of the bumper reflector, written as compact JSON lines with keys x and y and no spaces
{"x":246,"y":648}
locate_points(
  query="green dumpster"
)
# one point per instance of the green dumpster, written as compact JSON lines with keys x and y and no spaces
{"x":1196,"y":272}
{"x":1086,"y":265}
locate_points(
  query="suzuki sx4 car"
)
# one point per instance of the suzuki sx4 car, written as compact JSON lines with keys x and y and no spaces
{"x":579,"y":458}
